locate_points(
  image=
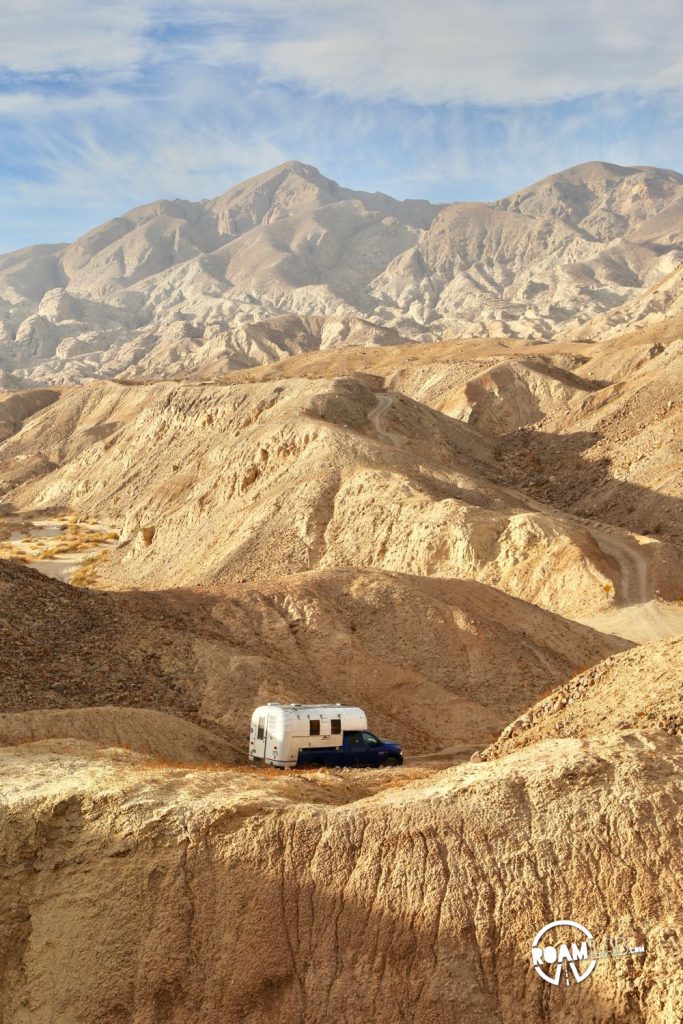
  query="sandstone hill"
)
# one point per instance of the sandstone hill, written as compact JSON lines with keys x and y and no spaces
{"x":243,"y":481}
{"x":186,"y":894}
{"x":640,"y":688}
{"x":269,"y":479}
{"x":592,"y":427}
{"x":290,"y":260}
{"x":438,"y":663}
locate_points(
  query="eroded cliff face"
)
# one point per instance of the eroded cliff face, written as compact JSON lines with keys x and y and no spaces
{"x":135,"y":892}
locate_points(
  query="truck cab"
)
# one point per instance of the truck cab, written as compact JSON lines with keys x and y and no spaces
{"x":359,"y":749}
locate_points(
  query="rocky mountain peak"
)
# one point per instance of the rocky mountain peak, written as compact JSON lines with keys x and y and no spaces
{"x":173,"y":285}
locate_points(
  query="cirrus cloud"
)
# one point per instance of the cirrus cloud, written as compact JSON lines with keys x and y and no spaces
{"x":104,"y":106}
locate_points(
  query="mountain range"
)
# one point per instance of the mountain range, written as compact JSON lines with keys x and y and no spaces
{"x":290,"y":261}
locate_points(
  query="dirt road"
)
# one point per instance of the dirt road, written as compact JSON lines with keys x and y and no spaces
{"x":638,"y":615}
{"x":384,"y":402}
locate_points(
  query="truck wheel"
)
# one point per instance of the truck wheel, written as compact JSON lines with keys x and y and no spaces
{"x":392,"y":762}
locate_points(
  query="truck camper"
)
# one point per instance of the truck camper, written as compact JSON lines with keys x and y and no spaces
{"x":316,"y":736}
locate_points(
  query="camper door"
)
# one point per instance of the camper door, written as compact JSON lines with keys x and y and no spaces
{"x":271,"y":737}
{"x":258,"y":739}
{"x":266,"y":735}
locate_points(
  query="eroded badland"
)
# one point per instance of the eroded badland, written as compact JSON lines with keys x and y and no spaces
{"x":479,"y":540}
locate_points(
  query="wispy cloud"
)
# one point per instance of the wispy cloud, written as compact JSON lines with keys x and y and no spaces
{"x":105,"y":106}
{"x":480,"y":51}
{"x":40,"y":37}
{"x":420,"y":51}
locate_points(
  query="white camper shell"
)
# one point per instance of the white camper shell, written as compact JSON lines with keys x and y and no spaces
{"x":279,"y":731}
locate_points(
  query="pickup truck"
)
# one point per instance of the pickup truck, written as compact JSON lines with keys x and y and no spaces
{"x":359,"y":749}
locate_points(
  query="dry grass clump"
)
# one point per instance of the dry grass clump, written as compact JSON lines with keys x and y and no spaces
{"x":64,"y":547}
{"x":73,"y":538}
{"x":85,"y":574}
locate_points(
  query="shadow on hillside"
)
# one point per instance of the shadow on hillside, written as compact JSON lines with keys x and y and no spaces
{"x":419,"y":914}
{"x":557,"y":469}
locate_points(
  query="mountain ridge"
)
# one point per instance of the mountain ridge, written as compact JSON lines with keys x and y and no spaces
{"x":188,"y":278}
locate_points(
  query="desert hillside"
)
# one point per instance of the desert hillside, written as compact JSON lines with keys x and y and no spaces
{"x":268,"y":479}
{"x":215,"y":893}
{"x":592,"y":427}
{"x":290,"y":261}
{"x":469,"y":658}
{"x":640,"y":688}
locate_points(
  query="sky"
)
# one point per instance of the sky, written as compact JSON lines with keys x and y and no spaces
{"x":107,"y":104}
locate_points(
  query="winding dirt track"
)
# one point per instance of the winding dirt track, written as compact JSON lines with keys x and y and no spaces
{"x":639,"y":616}
{"x":384,"y":402}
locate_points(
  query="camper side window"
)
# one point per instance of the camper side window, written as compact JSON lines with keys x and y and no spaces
{"x":314,"y":727}
{"x":261,"y":728}
{"x":336,"y":726}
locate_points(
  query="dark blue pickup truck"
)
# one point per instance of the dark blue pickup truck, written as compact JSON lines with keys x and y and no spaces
{"x":359,"y":749}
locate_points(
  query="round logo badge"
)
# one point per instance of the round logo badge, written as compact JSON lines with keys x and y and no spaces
{"x":572,"y":954}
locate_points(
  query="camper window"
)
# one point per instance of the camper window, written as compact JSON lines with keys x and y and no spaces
{"x":314,"y":727}
{"x":336,"y":726}
{"x":261,"y":727}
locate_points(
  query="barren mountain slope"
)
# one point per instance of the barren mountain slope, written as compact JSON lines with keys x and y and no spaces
{"x":17,"y":406}
{"x":641,"y":688}
{"x":561,"y":250}
{"x":175,"y":272}
{"x":61,"y":647}
{"x":176,"y":284}
{"x":617,"y":452}
{"x":217,"y":894}
{"x":606,"y":425}
{"x":435,"y":663}
{"x":178,"y":352}
{"x":246,"y":481}
{"x":431,"y":372}
{"x":658,"y":308}
{"x":605,"y":415}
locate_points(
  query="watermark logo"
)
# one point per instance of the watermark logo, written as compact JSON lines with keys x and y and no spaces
{"x":567,"y":949}
{"x":571,"y":955}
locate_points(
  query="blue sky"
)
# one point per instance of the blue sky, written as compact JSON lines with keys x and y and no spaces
{"x":106,"y":104}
